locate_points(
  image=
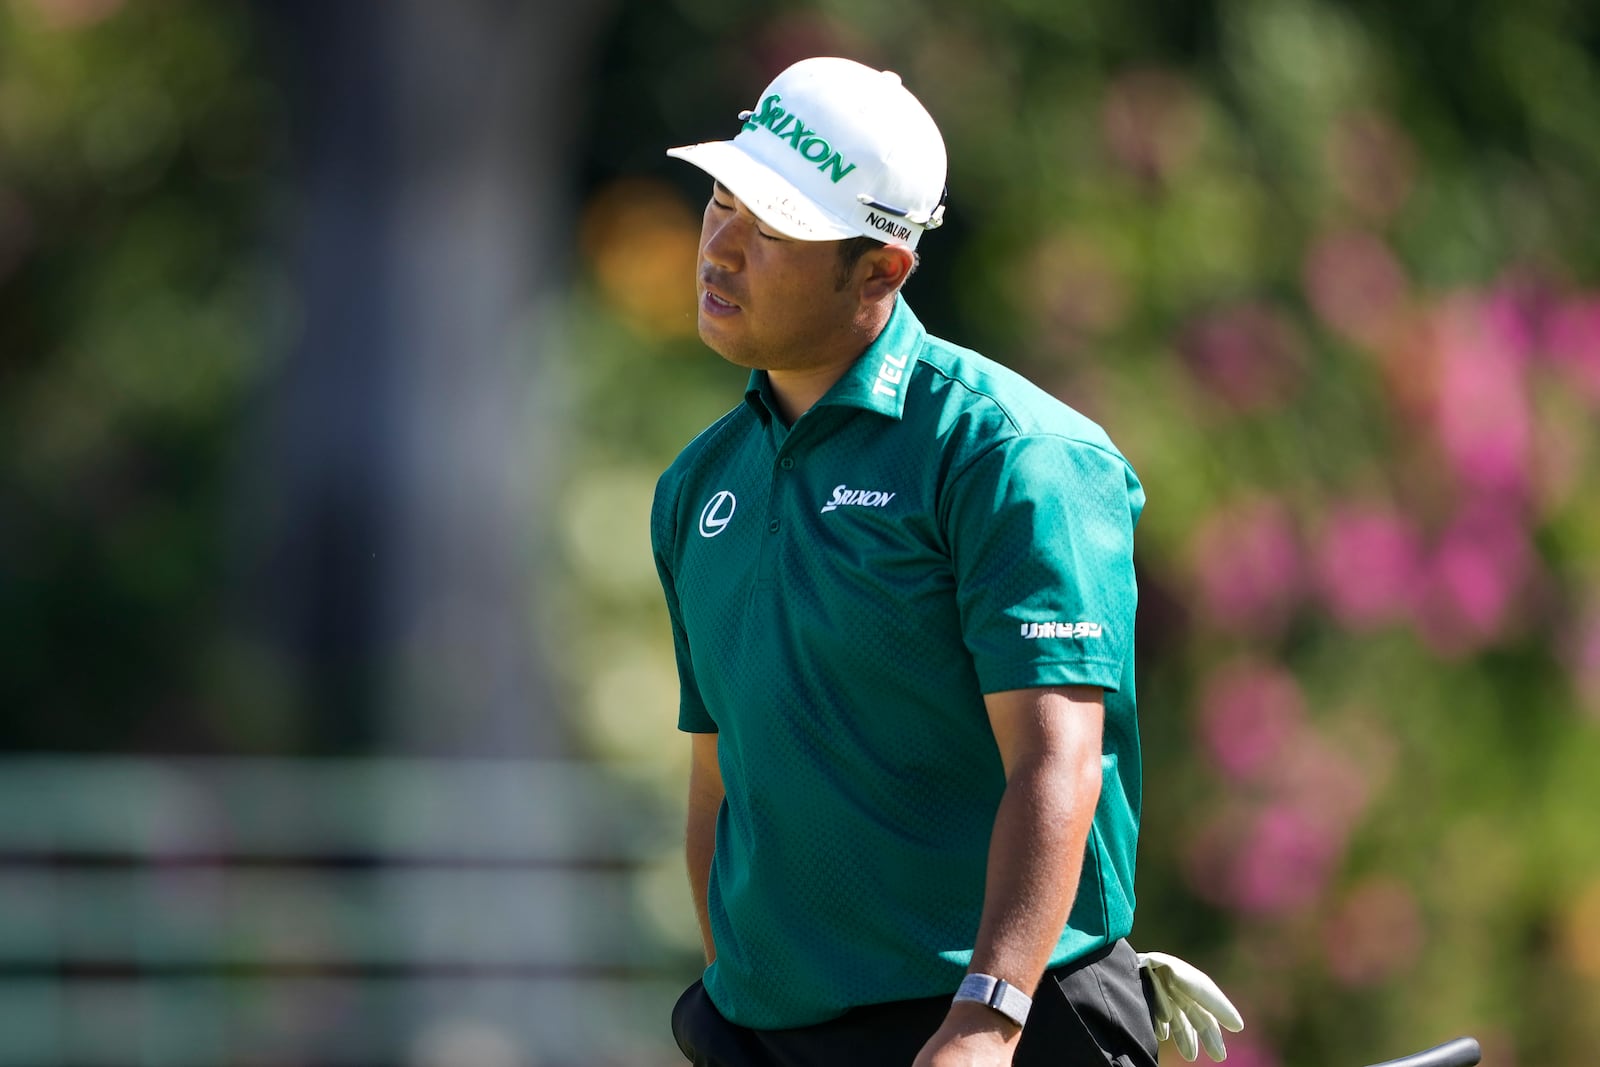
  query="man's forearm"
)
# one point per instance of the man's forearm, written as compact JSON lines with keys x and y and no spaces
{"x":700,"y":830}
{"x":1035,"y":856}
{"x":699,"y":847}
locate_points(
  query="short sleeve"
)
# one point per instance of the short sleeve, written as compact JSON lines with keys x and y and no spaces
{"x":692,"y":714}
{"x":1041,"y":536}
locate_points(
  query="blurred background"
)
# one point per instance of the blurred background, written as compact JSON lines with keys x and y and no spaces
{"x":341,"y":345}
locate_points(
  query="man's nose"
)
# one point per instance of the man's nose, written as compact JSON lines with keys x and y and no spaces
{"x":724,"y":243}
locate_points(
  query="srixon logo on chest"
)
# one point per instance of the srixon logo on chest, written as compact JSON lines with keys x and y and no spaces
{"x":846,"y":497}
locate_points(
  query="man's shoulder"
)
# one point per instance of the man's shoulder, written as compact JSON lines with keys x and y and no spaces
{"x":985,"y":400}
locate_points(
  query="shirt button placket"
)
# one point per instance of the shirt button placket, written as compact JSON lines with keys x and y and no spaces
{"x":766,"y":566}
{"x":786,"y":464}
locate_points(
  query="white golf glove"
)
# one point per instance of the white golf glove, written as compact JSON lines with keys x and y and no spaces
{"x":1189,"y":1006}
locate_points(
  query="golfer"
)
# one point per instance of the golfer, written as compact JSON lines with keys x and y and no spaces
{"x":901,"y":585}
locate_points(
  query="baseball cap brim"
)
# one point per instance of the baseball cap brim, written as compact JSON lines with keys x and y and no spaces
{"x":770,"y":197}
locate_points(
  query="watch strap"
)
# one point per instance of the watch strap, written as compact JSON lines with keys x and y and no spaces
{"x":998,"y":994}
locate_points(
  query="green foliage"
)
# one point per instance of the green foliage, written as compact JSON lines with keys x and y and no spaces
{"x":134,"y":143}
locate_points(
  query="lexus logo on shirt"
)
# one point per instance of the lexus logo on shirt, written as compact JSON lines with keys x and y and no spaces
{"x":717,"y":514}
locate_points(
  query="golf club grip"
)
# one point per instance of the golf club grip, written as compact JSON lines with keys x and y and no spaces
{"x":1462,"y":1052}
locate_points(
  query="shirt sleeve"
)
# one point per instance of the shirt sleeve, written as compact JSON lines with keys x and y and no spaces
{"x":692,"y":714}
{"x":1041,"y":535}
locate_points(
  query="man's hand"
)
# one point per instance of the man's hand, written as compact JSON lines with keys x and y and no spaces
{"x":973,"y":1035}
{"x":1189,"y":1005}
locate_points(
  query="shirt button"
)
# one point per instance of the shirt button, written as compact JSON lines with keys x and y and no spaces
{"x":772,"y":526}
{"x":787,"y":463}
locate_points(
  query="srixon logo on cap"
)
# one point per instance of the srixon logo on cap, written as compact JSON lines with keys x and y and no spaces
{"x":792,"y":128}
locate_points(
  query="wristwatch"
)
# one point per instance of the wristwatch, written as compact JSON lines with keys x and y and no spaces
{"x":998,"y":994}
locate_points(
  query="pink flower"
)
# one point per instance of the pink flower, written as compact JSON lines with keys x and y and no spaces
{"x":1513,"y":316}
{"x":1366,"y":565}
{"x":1249,"y":355}
{"x":1275,"y":857}
{"x":1247,"y":565}
{"x":1572,"y":343}
{"x":1471,"y":581}
{"x":1356,"y":285}
{"x":1272,"y":861}
{"x":1325,"y":781}
{"x":1374,"y":933}
{"x":1248,"y":713}
{"x":1481,"y":413}
{"x":1284,"y":862}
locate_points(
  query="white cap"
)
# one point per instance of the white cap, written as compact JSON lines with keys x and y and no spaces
{"x":833,"y":150}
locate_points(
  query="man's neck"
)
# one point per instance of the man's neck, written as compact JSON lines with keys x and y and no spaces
{"x":797,"y":390}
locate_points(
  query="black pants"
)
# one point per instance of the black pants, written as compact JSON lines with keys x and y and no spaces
{"x":1093,"y":1012}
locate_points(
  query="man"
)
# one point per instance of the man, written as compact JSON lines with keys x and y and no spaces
{"x":902,"y":595}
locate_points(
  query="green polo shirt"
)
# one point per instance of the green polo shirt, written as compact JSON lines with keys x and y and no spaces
{"x":843,"y":592}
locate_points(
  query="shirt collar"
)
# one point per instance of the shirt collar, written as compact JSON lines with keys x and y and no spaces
{"x":875,"y":382}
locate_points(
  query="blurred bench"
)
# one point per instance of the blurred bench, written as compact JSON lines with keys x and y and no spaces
{"x":349,"y":912}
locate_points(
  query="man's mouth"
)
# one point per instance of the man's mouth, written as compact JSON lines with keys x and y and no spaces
{"x":715,"y":304}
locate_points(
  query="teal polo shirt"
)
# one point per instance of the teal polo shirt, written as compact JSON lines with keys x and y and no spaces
{"x":843,"y":592}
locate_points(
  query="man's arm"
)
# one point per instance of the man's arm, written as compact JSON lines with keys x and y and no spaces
{"x":1049,"y":742}
{"x":705,"y":799}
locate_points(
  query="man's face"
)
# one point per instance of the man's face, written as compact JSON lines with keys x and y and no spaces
{"x":767,"y":301}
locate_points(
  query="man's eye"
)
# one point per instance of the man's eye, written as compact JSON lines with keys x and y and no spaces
{"x":768,"y":236}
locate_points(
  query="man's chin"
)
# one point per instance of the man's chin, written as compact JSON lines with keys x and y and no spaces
{"x":719,"y":342}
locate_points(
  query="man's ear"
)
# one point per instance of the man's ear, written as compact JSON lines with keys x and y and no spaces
{"x":882,"y":271}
